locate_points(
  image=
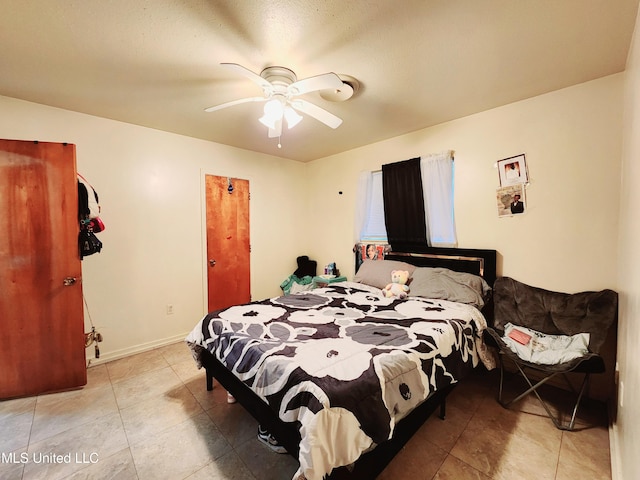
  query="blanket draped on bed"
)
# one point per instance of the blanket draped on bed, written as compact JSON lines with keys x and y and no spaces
{"x":343,"y":361}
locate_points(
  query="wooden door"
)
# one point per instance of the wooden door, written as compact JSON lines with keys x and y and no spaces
{"x":228,"y":247}
{"x":41,"y":319}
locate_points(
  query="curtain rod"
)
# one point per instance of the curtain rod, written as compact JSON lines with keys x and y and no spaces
{"x":380,"y":169}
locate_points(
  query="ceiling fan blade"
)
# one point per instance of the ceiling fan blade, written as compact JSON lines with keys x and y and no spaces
{"x":254,"y":77}
{"x":277,"y":131}
{"x":234,"y":102}
{"x":312,"y":84}
{"x":320,"y":114}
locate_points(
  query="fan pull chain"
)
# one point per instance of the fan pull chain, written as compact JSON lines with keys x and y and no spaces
{"x":279,"y":144}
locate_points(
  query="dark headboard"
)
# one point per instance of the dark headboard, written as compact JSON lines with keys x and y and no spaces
{"x":477,"y":261}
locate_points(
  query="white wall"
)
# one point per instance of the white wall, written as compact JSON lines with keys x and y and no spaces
{"x":150,"y":187}
{"x":626,"y":435}
{"x":566,"y":240}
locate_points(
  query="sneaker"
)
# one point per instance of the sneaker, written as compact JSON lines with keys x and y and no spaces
{"x":270,"y":441}
{"x":230,"y":398}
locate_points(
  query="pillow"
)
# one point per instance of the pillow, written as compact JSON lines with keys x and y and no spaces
{"x":445,"y":284}
{"x":377,"y":273}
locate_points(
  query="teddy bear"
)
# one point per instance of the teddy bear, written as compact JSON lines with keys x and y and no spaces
{"x":398,"y":286}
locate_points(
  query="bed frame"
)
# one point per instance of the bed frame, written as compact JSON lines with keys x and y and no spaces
{"x":469,"y":260}
{"x":370,"y":464}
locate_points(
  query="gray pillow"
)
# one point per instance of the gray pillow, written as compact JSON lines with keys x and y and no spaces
{"x":445,"y":284}
{"x":377,"y":273}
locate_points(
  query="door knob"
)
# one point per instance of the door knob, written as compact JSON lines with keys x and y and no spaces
{"x":68,"y":281}
{"x":212,"y":262}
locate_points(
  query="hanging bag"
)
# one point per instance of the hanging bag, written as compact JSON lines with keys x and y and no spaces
{"x":90,"y":222}
{"x":88,"y":243}
{"x":90,"y":206}
{"x":96,"y":225}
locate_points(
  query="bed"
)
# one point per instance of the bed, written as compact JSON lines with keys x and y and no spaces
{"x":343,"y":376}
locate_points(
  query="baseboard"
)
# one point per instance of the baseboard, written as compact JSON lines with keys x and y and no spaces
{"x":614,"y":445}
{"x":126,"y":352}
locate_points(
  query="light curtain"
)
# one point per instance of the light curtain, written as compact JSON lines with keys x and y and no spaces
{"x":437,"y":182}
{"x":369,"y":215}
{"x":363,"y":199}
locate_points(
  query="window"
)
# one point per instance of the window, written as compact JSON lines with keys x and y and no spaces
{"x":373,"y":228}
{"x":437,"y":181}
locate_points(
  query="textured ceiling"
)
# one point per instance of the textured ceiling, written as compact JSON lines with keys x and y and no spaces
{"x":156,"y":63}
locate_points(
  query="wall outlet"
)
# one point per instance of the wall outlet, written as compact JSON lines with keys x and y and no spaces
{"x":169,"y":309}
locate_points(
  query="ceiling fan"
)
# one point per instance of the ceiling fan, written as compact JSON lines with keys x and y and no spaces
{"x":281,"y":89}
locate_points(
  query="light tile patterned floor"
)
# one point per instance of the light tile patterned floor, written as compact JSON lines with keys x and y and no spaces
{"x":149,"y":416}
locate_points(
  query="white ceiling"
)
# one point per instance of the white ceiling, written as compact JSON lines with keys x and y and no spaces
{"x":419,"y":62}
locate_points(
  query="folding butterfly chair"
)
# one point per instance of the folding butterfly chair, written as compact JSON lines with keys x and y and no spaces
{"x":551,"y":313}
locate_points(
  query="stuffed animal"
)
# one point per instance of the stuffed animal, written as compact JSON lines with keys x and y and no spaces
{"x":398,"y":286}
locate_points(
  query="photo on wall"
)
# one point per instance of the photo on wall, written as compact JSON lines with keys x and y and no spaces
{"x":511,"y":200}
{"x":513,"y":170}
{"x":371,"y":251}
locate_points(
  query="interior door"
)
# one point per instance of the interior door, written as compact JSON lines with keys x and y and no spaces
{"x":228,"y":242}
{"x":41,"y":313}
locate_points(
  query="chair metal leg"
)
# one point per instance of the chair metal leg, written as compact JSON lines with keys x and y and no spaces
{"x":533,"y":389}
{"x":583,"y":388}
{"x":501,"y":379}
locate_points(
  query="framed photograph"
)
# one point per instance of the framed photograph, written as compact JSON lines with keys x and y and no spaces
{"x":513,"y":170}
{"x":371,"y":251}
{"x":511,"y":200}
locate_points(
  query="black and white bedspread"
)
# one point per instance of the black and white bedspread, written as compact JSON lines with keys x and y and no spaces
{"x":344,"y":361}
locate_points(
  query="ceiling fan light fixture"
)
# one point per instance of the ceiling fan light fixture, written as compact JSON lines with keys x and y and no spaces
{"x":274,"y":108}
{"x":273,"y":111}
{"x":267,"y":122}
{"x":292,"y":117}
{"x":281,"y":89}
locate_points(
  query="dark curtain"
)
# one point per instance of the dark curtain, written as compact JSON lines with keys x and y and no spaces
{"x":404,"y":205}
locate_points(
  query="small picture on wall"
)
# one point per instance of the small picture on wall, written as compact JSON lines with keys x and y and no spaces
{"x":371,"y":251}
{"x":513,"y":170}
{"x":511,"y":200}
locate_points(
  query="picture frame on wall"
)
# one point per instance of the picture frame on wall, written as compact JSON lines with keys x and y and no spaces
{"x":513,"y":170}
{"x":511,"y":200}
{"x":370,"y":251}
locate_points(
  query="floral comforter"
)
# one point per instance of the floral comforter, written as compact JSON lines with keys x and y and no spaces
{"x":343,"y":360}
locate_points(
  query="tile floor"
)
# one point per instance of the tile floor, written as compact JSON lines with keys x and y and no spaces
{"x":149,"y":416}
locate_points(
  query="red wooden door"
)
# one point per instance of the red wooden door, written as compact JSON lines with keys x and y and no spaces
{"x":41,"y":319}
{"x":228,"y":247}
